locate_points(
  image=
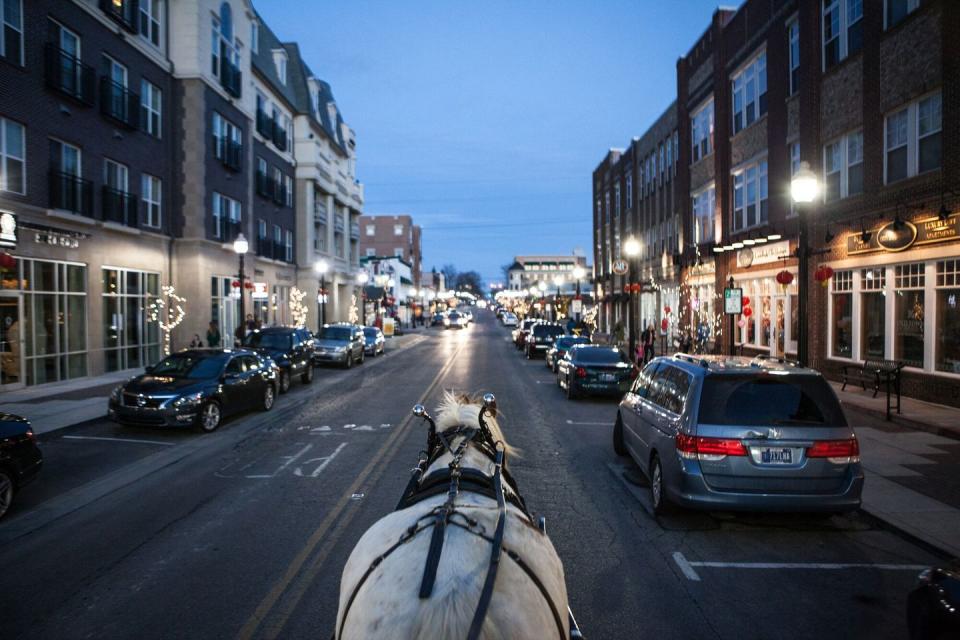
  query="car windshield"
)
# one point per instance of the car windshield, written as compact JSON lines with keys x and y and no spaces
{"x":757,"y":400}
{"x":541,"y":330}
{"x":190,"y":366}
{"x":268,"y":340}
{"x":370,"y":332}
{"x":454,"y":316}
{"x":335,"y":333}
{"x":599,"y":355}
{"x":567,"y":342}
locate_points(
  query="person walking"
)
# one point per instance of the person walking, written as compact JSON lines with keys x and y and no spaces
{"x":649,"y":339}
{"x":213,"y":335}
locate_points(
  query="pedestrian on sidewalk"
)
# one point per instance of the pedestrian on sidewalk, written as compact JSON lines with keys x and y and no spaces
{"x":213,"y":335}
{"x":649,"y":339}
{"x":196,"y":343}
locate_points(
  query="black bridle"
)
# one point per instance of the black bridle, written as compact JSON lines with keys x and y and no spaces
{"x":452,"y":480}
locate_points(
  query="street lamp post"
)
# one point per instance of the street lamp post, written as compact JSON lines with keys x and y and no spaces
{"x":240,"y":247}
{"x":631,"y":249}
{"x":804,"y":189}
{"x":557,"y":280}
{"x":321,"y":267}
{"x":362,"y":278}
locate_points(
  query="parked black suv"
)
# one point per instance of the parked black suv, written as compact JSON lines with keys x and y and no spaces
{"x":541,"y":338}
{"x":20,"y":457}
{"x":290,"y":348}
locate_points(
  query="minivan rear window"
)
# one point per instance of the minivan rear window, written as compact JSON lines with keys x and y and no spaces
{"x":541,"y":330}
{"x":768,"y":400}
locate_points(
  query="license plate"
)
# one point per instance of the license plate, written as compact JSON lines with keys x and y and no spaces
{"x":774,"y":455}
{"x":607,"y":377}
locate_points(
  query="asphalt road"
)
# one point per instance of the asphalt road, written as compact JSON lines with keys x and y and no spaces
{"x":243,"y":533}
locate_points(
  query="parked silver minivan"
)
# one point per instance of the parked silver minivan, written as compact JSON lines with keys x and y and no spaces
{"x":734,"y":433}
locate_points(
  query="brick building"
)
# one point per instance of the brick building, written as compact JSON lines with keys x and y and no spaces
{"x":867,"y":94}
{"x":397,"y":236}
{"x":137,"y":141}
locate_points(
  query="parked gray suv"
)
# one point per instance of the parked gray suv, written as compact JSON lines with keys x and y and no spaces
{"x":341,"y":343}
{"x":729,"y":433}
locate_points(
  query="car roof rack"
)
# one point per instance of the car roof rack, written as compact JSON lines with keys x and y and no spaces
{"x":692,"y":359}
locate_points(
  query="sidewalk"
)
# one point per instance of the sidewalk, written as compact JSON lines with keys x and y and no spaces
{"x":912,"y":466}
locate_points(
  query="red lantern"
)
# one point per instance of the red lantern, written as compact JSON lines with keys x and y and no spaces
{"x":666,"y":309}
{"x":635,"y":288}
{"x":664,"y":324}
{"x":248,"y":285}
{"x":747,"y":311}
{"x":746,"y":301}
{"x":823,"y":274}
{"x":784,"y":278}
{"x":235,"y":284}
{"x":626,"y":288}
{"x":7,"y":261}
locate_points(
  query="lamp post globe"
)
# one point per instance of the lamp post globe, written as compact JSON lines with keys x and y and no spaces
{"x":240,"y":247}
{"x":804,"y":186}
{"x":804,"y":189}
{"x":631,"y":249}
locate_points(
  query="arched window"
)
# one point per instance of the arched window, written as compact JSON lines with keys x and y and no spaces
{"x":226,"y":22}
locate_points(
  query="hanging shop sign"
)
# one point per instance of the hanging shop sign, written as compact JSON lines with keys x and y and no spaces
{"x":763,"y":254}
{"x":8,"y":229}
{"x":620,"y":267}
{"x":893,"y":238}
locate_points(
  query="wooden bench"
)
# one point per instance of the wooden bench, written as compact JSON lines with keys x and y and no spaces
{"x":877,"y":372}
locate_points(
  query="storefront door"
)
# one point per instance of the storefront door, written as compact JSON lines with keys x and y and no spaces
{"x":783,"y":338}
{"x":11,"y":341}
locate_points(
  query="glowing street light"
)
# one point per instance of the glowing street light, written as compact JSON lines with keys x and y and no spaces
{"x":804,"y":189}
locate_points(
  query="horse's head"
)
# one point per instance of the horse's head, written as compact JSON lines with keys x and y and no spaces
{"x":462,"y":410}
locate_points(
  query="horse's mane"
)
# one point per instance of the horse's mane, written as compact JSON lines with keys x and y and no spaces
{"x":461,"y":409}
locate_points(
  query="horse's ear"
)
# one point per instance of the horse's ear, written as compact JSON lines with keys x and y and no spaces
{"x":463,"y":398}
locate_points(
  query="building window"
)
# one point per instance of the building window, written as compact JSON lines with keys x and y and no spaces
{"x":115,"y":176}
{"x":669,"y":166}
{"x":676,"y":149}
{"x":794,"y":168}
{"x":13,"y":174}
{"x":750,"y":93}
{"x":398,"y":252}
{"x":842,"y":30}
{"x":663,"y":167}
{"x":224,"y":307}
{"x":947,"y":347}
{"x":371,"y":230}
{"x":704,"y":213}
{"x":914,"y":139}
{"x":909,"y":280}
{"x":793,"y":38}
{"x":843,"y":166}
{"x":750,"y":195}
{"x":629,"y":190}
{"x":151,"y":194}
{"x":11,"y":37}
{"x":398,"y":229}
{"x":371,"y":252}
{"x":873,"y":310}
{"x":288,"y":245}
{"x":150,"y":16}
{"x":616,"y":201}
{"x":228,"y":142}
{"x":897,"y":10}
{"x":150,"y":107}
{"x":226,"y":213}
{"x":842,"y":315}
{"x":254,"y":37}
{"x":280,"y":64}
{"x":130,"y":339}
{"x":288,"y":190}
{"x":701,"y":123}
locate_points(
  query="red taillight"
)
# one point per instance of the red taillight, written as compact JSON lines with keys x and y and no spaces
{"x":581,"y":372}
{"x":692,"y":446}
{"x":837,"y":450}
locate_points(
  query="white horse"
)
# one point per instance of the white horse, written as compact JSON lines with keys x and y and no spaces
{"x":381,"y":598}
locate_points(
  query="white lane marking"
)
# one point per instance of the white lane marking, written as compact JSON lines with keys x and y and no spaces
{"x":290,"y":460}
{"x":324,"y":461}
{"x":685,"y":567}
{"x":349,"y":426}
{"x":166,"y":444}
{"x":323,"y":428}
{"x":363,"y":427}
{"x":605,"y":424}
{"x":385,"y":425}
{"x":545,"y":381}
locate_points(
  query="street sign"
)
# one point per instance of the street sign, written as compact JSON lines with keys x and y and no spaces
{"x":577,"y":305}
{"x":620,"y":267}
{"x":732,"y":300}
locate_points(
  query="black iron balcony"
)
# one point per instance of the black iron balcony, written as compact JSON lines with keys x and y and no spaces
{"x":279,"y":136}
{"x":279,"y":251}
{"x":71,"y":193}
{"x":68,"y":75}
{"x":124,"y":12}
{"x":228,"y":152}
{"x":119,"y":103}
{"x":264,"y":247}
{"x":279,"y":193}
{"x":264,"y":124}
{"x":265,"y":185}
{"x":119,"y":207}
{"x":226,"y":229}
{"x":230,"y":77}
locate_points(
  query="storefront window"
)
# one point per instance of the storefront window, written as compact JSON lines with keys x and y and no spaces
{"x":794,"y":322}
{"x":842,"y":316}
{"x":908,"y":319}
{"x":224,"y":308}
{"x":764,"y":309}
{"x":873,"y":309}
{"x":130,"y":339}
{"x":948,"y":316}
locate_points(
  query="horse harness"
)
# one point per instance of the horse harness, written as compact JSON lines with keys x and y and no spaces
{"x":452,"y":480}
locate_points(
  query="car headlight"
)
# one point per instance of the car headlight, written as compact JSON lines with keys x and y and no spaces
{"x":190,"y":400}
{"x":115,"y":394}
{"x":339,"y":349}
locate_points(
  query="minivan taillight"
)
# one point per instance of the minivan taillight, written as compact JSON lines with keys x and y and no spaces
{"x":693,"y":447}
{"x":836,"y":451}
{"x":581,"y":372}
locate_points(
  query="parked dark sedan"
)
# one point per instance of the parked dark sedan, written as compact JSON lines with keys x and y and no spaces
{"x":560,"y":347}
{"x":20,"y":457}
{"x":196,"y":387}
{"x":933,"y":607}
{"x":290,"y":348}
{"x":540,"y":338}
{"x":594,"y":369}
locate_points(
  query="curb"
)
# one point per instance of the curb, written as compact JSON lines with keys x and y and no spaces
{"x":912,"y":538}
{"x":898,"y":419}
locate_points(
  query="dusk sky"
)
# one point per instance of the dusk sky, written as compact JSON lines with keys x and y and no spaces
{"x":485,"y":120}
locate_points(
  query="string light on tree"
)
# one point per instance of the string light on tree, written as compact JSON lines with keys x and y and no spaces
{"x":168,"y":312}
{"x":297,"y":309}
{"x":354,"y":313}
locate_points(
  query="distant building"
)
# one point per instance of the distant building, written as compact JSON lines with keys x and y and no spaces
{"x":529,"y":271}
{"x":392,"y":236}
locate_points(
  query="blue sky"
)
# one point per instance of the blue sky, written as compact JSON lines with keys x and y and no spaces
{"x":484,"y":120}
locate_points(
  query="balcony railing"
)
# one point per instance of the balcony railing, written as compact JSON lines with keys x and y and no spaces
{"x":228,"y":152}
{"x":279,"y":251}
{"x":279,"y":193}
{"x":264,"y":247}
{"x":68,"y":75}
{"x":71,"y":193}
{"x":123,"y":12}
{"x":230,"y":77}
{"x":355,"y":231}
{"x":119,"y":103}
{"x":264,"y":124}
{"x":119,"y":207}
{"x":279,"y":136}
{"x":265,"y":185}
{"x":226,"y":229}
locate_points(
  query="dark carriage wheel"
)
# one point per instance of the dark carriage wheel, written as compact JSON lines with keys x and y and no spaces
{"x":618,"y":447}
